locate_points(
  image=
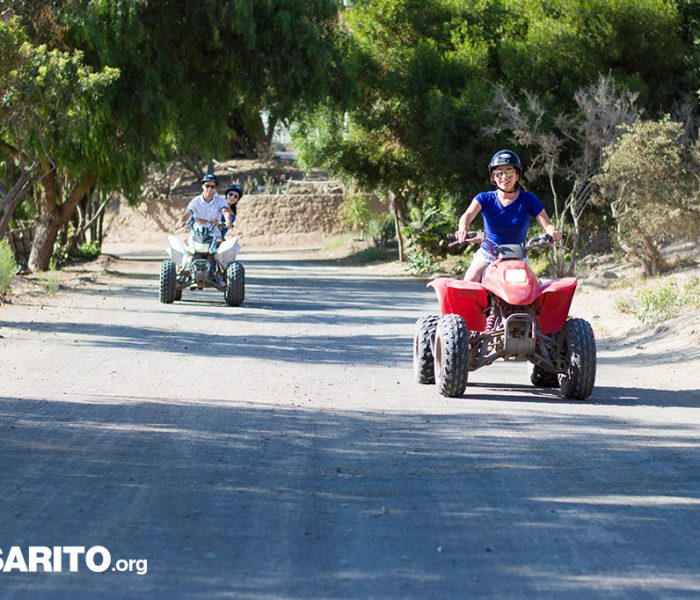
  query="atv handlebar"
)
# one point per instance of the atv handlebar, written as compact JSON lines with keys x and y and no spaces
{"x":545,"y":241}
{"x":472,"y":238}
{"x":189,"y":225}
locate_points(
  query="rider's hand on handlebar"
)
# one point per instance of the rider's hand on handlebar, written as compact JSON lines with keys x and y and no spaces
{"x":555,"y":234}
{"x":470,"y":237}
{"x":461,"y":236}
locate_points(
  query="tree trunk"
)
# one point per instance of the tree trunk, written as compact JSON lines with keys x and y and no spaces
{"x":93,"y":225}
{"x":45,"y":233}
{"x":398,"y":210}
{"x":11,"y":201}
{"x":654,"y":262}
{"x":242,"y":144}
{"x":52,"y":216}
{"x":264,"y":147}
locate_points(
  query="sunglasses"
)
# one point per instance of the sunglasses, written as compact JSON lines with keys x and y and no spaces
{"x":210,"y":185}
{"x":504,"y":173}
{"x":232,"y":194}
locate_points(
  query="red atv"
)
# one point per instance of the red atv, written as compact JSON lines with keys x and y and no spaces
{"x":512,"y":315}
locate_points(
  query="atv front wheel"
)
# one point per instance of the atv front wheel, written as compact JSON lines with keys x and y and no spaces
{"x":451,"y":356}
{"x":543,"y":379}
{"x":579,"y":349}
{"x":423,"y":361}
{"x":235,"y":284}
{"x":167,"y":281}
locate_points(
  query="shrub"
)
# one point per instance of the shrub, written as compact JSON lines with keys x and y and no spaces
{"x":649,"y":181}
{"x":383,"y":230}
{"x":420,"y":262}
{"x":666,"y":301}
{"x":355,"y":212}
{"x":87,"y":251}
{"x":8,"y":266}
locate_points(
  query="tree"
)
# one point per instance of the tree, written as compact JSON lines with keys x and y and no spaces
{"x":650,"y":181}
{"x":556,"y":47}
{"x":46,"y":121}
{"x":185,"y":68}
{"x":355,"y":212}
{"x":20,"y":180}
{"x":425,"y":73}
{"x":409,"y":127}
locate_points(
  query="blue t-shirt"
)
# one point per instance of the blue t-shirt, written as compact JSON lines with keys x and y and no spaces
{"x":508,"y":224}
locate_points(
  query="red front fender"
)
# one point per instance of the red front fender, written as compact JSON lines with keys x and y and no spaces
{"x":464,"y":298}
{"x":554,"y":302}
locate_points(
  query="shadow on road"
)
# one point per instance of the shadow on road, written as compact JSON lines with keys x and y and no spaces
{"x":300,"y":291}
{"x":342,"y":349}
{"x":602,"y":395}
{"x":254,"y":501}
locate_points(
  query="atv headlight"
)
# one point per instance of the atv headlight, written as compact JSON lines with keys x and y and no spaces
{"x":516,"y":275}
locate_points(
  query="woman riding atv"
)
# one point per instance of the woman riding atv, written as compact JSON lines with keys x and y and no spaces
{"x":506,"y":212}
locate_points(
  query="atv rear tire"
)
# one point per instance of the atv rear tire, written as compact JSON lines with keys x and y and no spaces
{"x":167,"y":281}
{"x":423,"y":361}
{"x":235,"y":284}
{"x":579,"y":349}
{"x":543,"y":379}
{"x":451,"y":356}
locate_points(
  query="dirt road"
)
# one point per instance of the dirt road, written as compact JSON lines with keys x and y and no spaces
{"x":282,"y":450}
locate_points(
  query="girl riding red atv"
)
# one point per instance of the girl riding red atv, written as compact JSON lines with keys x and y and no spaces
{"x":506,"y":212}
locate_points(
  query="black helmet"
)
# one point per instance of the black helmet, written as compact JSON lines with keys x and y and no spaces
{"x":234,"y":187}
{"x":210,"y":177}
{"x":505,"y":158}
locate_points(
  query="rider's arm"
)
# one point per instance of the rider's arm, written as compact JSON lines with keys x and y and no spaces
{"x":548,"y":226}
{"x":229,"y":218}
{"x":188,"y":214}
{"x":466,"y":219}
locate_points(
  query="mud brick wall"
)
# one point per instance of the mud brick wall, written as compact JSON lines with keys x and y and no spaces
{"x":266,"y":215}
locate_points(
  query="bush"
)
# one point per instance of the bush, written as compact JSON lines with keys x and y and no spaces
{"x":667,"y":301}
{"x":649,"y":182}
{"x":420,"y":262}
{"x":87,"y":251}
{"x":356,"y":213}
{"x":429,"y":227}
{"x":8,"y":265}
{"x":383,"y":230}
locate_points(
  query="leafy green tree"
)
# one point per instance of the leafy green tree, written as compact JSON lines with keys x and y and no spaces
{"x":17,"y":179}
{"x":428,"y":71}
{"x":48,"y":128}
{"x":209,"y":68}
{"x":650,"y":180}
{"x":409,"y":128}
{"x":356,"y":213}
{"x":186,"y":69}
{"x":553,"y":48}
